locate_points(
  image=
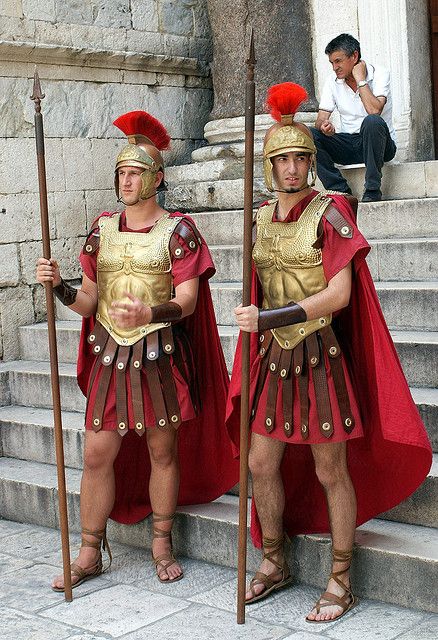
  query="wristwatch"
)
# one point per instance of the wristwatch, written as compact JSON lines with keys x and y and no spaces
{"x":362,"y":83}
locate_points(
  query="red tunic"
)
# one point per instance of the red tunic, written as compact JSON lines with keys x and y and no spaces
{"x":394,"y":455}
{"x":207,"y":466}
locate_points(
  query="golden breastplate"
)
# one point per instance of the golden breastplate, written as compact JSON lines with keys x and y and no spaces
{"x":137,"y":263}
{"x":289,"y":266}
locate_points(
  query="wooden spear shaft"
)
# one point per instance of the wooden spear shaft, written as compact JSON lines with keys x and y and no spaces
{"x":37,"y":96}
{"x":246,"y":300}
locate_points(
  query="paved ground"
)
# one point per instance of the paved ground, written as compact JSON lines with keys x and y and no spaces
{"x":129,"y":603}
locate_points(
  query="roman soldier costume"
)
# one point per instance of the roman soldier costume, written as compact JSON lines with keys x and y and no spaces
{"x":335,"y":378}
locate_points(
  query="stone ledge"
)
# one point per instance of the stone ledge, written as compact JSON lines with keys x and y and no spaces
{"x":131,"y":60}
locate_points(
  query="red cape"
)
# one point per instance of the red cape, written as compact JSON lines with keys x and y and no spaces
{"x":207,"y":466}
{"x":394,"y":456}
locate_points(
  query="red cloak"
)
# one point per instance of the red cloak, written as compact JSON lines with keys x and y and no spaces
{"x":207,"y":466}
{"x":394,"y":456}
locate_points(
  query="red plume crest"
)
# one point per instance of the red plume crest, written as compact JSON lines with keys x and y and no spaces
{"x":142,"y":123}
{"x":284,"y":99}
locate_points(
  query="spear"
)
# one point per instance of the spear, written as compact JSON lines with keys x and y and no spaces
{"x":246,"y":301}
{"x":37,"y":96}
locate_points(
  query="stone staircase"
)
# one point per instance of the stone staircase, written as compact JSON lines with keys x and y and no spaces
{"x":397,"y":554}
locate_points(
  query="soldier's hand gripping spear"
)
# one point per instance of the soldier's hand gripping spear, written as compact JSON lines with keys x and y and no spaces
{"x":37,"y":96}
{"x":246,"y":301}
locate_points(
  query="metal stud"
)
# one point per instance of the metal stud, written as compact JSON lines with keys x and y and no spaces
{"x":326,"y":426}
{"x":151,"y":355}
{"x":304,"y":428}
{"x":91,"y":337}
{"x":283,"y":373}
{"x":122,"y":425}
{"x":322,"y":321}
{"x":286,"y":426}
{"x":161,"y":422}
{"x":333,"y":351}
{"x":272,"y":366}
{"x":287,"y":344}
{"x":262,"y":337}
{"x":348,"y":422}
{"x":137,"y":364}
{"x":120,"y":366}
{"x":174,"y":418}
{"x":139,"y":426}
{"x":96,"y":348}
{"x":97,"y":316}
{"x":168,"y":348}
{"x":268,"y":422}
{"x":262,"y":351}
{"x":345,"y":231}
{"x":89,"y":248}
{"x":96,"y":422}
{"x":107,"y":359}
{"x":178,"y":251}
{"x":125,"y":341}
{"x":302,"y":331}
{"x":192,"y":244}
{"x":297,"y":370}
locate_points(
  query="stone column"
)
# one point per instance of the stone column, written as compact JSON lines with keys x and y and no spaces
{"x":282,"y":36}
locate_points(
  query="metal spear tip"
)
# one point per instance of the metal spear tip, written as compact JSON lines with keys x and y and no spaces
{"x":37,"y":92}
{"x":251,"y":50}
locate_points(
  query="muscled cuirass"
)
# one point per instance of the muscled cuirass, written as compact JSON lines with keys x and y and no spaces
{"x":137,"y":263}
{"x":289,"y":266}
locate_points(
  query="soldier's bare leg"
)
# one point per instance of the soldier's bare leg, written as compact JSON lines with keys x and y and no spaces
{"x":163,"y":488}
{"x":268,"y":492}
{"x":332,"y":471}
{"x":97,"y":492}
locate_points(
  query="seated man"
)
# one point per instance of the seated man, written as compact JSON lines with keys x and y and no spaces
{"x":361,"y":93}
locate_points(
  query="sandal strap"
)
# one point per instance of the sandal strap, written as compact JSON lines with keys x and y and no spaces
{"x":101,"y":542}
{"x":332,"y":599}
{"x":158,"y":532}
{"x":271,"y":546}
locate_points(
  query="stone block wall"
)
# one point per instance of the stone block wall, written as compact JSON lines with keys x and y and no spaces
{"x":96,"y":59}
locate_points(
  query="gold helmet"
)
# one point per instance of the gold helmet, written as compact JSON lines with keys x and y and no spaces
{"x":286,"y":135}
{"x":146,"y":138}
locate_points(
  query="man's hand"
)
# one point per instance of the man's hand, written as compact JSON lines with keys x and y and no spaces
{"x":129,"y":315}
{"x":359,"y":71}
{"x":247,"y":318}
{"x":48,"y":271}
{"x":327,"y":128}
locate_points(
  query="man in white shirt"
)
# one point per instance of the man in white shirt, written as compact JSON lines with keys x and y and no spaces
{"x":361,"y":94}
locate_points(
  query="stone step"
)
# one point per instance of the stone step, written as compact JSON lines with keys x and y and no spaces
{"x":427,"y":404}
{"x":417,"y":351}
{"x":218,"y":183}
{"x":405,"y":304}
{"x":209,"y":532}
{"x":405,"y":260}
{"x":27,"y":433}
{"x":376,"y":220}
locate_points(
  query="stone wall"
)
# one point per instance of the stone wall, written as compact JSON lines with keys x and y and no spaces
{"x":96,"y":59}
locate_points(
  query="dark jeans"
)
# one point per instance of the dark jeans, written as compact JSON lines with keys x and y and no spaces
{"x":373,"y":146}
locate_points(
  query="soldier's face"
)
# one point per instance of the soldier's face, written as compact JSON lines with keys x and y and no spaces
{"x":290,"y":171}
{"x":130,"y":184}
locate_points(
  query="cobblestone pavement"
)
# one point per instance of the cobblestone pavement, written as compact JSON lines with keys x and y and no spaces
{"x":129,"y":603}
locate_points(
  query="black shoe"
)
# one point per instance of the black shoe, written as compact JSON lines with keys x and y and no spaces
{"x":372,"y":195}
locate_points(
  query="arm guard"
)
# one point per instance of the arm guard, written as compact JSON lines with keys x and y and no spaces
{"x":281,"y":317}
{"x":167,"y":312}
{"x":65,"y":293}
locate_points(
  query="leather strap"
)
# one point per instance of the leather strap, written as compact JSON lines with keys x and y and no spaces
{"x":271,"y":402}
{"x":300,"y":371}
{"x":287,"y":390}
{"x":121,"y":406}
{"x":102,"y":392}
{"x":136,"y":387}
{"x":166,"y":312}
{"x":167,"y":340}
{"x":266,"y":344}
{"x":337,"y":220}
{"x":65,"y":293}
{"x":335,"y":358}
{"x":156,"y":393}
{"x":281,"y":317}
{"x":152,"y":348}
{"x":169,"y":391}
{"x":316,"y":362}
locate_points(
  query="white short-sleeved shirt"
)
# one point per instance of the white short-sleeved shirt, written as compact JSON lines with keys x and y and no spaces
{"x":338,"y":95}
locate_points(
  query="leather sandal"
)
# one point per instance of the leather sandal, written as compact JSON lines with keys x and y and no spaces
{"x":328,"y":599}
{"x":271,"y":546}
{"x":97,"y":568}
{"x":165,"y":560}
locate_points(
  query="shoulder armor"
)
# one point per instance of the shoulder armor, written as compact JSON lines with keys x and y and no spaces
{"x":337,"y":220}
{"x":91,"y":244}
{"x":187,"y":230}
